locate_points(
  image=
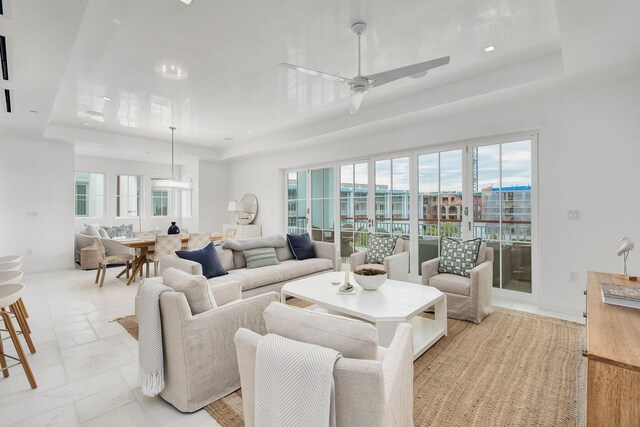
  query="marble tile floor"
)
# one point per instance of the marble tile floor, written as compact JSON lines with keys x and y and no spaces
{"x":86,"y":365}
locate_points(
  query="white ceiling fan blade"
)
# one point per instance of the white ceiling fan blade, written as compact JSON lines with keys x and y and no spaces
{"x":316,"y":73}
{"x":356,"y":100}
{"x":410,"y":70}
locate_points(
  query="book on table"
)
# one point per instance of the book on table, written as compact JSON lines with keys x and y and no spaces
{"x":625,"y":296}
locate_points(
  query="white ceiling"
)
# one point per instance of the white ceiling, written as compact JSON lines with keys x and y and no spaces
{"x":67,"y":55}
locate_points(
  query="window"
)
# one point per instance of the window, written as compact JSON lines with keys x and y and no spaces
{"x":128,"y":191}
{"x":322,"y":203}
{"x":297,"y":202}
{"x":89,"y":194}
{"x":161,"y":202}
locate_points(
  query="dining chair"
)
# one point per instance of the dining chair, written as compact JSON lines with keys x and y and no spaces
{"x":9,"y":295}
{"x":165,"y":245}
{"x":198,"y":240}
{"x":104,"y":260}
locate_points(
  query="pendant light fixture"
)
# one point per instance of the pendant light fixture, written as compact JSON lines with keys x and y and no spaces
{"x":171,"y":183}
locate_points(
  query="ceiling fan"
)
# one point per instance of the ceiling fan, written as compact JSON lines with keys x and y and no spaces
{"x":362,"y":84}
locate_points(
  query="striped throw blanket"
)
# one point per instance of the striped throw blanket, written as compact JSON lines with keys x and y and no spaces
{"x":294,"y":383}
{"x":151,"y":368}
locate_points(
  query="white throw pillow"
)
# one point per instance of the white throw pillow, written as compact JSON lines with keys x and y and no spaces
{"x":103,"y":233}
{"x":90,"y":230}
{"x":195,"y":289}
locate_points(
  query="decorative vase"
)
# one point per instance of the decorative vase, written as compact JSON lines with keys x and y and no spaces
{"x":173,"y":229}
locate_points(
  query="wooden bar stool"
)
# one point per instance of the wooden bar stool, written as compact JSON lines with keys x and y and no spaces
{"x":9,"y":295}
{"x":14,"y":266}
{"x":7,"y":277}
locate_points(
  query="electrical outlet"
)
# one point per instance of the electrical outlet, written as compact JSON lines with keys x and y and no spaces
{"x":573,"y":215}
{"x":573,"y":276}
{"x":32,"y":214}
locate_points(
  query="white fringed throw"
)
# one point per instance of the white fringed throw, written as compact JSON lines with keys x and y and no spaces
{"x":150,"y":338}
{"x":294,"y":383}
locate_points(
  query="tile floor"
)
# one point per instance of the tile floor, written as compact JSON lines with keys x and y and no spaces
{"x":86,"y":365}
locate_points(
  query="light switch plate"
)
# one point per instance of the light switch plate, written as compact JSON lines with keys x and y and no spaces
{"x":573,"y":215}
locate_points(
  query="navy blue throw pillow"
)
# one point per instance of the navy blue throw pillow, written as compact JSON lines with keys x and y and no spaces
{"x":301,"y":246}
{"x":208,"y":258}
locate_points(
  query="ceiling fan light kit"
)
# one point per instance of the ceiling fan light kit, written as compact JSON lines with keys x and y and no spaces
{"x":361,"y":84}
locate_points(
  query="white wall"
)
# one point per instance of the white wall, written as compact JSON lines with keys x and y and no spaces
{"x":214,"y":195}
{"x":37,"y":176}
{"x":114,"y":167}
{"x":589,"y":159}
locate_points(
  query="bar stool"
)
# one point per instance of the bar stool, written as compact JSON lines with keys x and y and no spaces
{"x":10,"y":258}
{"x":9,"y":294}
{"x":15,"y":266}
{"x":7,"y":277}
{"x":10,"y":266}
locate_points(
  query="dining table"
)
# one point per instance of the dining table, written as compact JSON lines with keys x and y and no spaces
{"x":142,"y":257}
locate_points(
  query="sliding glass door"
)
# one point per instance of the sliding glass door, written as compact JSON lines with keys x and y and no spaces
{"x":502,"y":210}
{"x":392,"y":201}
{"x":322,"y":205}
{"x":297,"y":212}
{"x":469,"y":191}
{"x":441,"y":201}
{"x":354,"y":208}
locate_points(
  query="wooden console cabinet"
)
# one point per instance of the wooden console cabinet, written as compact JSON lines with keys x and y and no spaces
{"x":613,"y":358}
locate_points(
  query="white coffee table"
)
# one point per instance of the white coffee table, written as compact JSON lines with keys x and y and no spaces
{"x":393,"y":303}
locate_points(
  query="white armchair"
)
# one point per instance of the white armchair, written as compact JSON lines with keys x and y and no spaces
{"x":468,"y":298}
{"x":396,"y":265}
{"x":368,"y":392}
{"x":200,"y":362}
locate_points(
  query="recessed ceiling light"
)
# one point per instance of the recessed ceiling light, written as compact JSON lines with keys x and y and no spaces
{"x":34,"y":111}
{"x":490,"y":48}
{"x":187,"y":2}
{"x":86,"y":124}
{"x":210,"y":145}
{"x":95,"y":113}
{"x":106,"y":98}
{"x":228,"y":139}
{"x":250,"y":131}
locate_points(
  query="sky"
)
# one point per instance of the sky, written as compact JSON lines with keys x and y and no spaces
{"x":516,"y":169}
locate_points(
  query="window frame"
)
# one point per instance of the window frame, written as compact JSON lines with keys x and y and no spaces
{"x":87,"y":195}
{"x":140,"y":196}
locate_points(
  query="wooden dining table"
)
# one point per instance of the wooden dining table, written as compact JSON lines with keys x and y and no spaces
{"x":142,"y":258}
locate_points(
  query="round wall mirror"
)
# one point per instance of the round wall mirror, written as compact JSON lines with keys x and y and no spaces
{"x":247,"y":209}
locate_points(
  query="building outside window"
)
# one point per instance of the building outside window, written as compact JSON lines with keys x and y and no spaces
{"x":128,"y":196}
{"x":89,"y":195}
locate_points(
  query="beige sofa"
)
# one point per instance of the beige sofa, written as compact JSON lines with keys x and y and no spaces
{"x":373,"y":385}
{"x":264,"y":279}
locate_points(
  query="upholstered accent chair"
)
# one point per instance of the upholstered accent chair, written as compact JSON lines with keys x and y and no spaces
{"x":165,"y":245}
{"x":200,"y":362}
{"x":373,"y":385}
{"x":468,"y":298}
{"x":396,"y":265}
{"x":198,"y":240}
{"x":104,"y":260}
